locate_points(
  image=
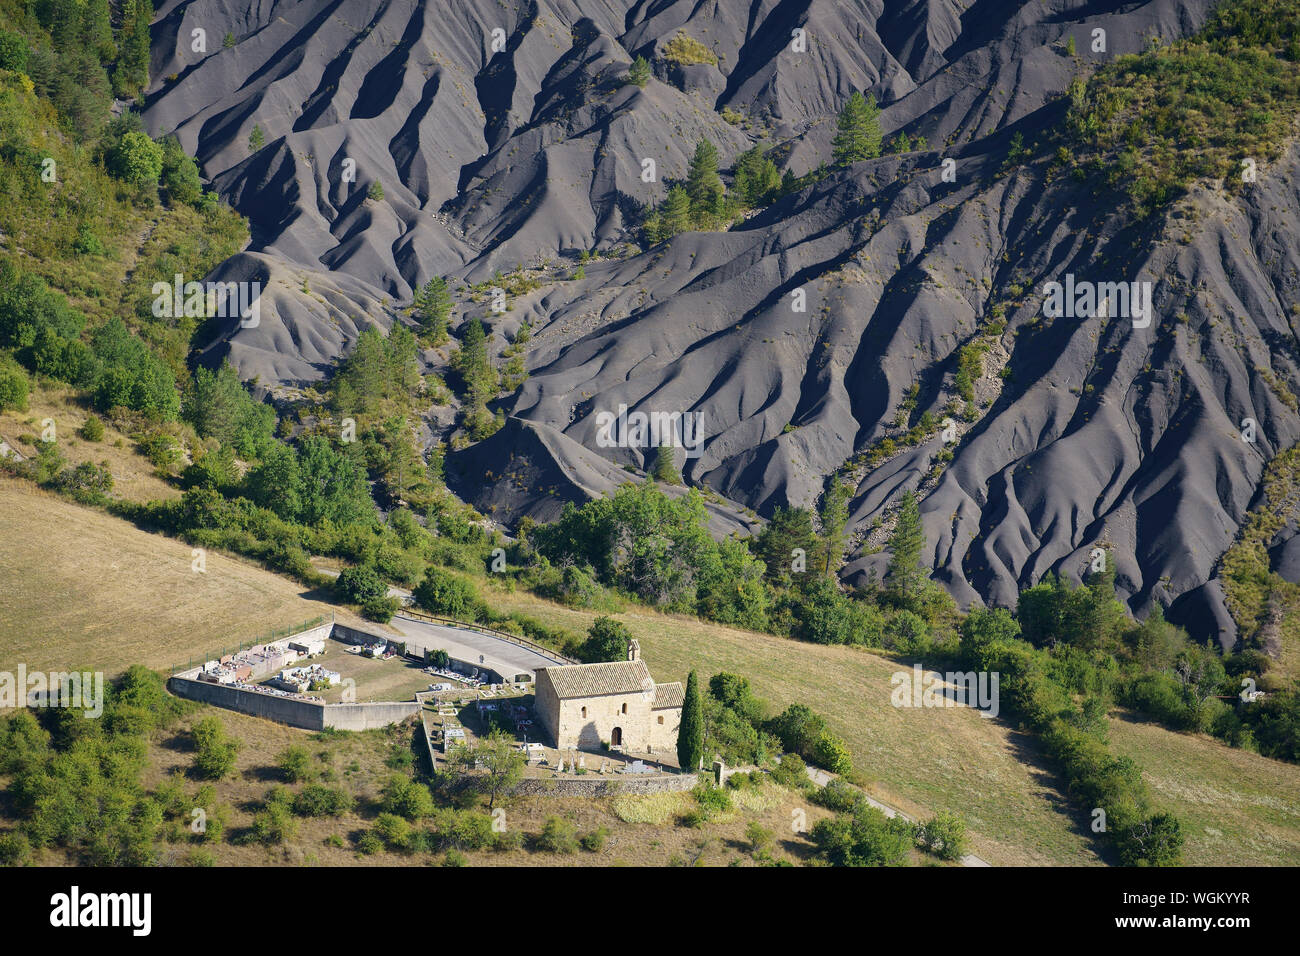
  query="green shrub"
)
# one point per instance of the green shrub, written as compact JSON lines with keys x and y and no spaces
{"x":162,"y":450}
{"x":792,"y":772}
{"x":214,"y":756}
{"x":685,"y":50}
{"x":393,"y":830}
{"x":944,"y":835}
{"x":830,"y":753}
{"x":464,"y":830}
{"x":14,"y":386}
{"x":759,"y":837}
{"x":135,"y":159}
{"x":15,"y":850}
{"x":317,"y":800}
{"x":296,"y":764}
{"x":447,"y":595}
{"x":380,"y":609}
{"x":360,"y":584}
{"x":712,"y":800}
{"x":92,"y":429}
{"x":406,"y":798}
{"x":864,"y":837}
{"x":557,"y":836}
{"x":839,"y":796}
{"x":274,"y":824}
{"x":508,"y":840}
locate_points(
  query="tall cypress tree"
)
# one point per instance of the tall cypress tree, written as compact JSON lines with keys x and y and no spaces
{"x":690,"y":736}
{"x":904,"y":573}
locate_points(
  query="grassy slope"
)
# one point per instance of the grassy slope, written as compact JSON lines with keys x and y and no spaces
{"x":133,"y":475}
{"x":357,"y":764}
{"x":81,"y":587}
{"x":1237,"y":808}
{"x":87,"y":589}
{"x":919,"y":760}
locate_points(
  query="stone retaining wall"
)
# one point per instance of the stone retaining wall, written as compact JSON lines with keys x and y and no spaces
{"x":606,"y":785}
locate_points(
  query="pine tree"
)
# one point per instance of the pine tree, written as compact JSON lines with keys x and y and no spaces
{"x":433,"y":308}
{"x":757,"y":179}
{"x":471,"y":362}
{"x":704,"y":186}
{"x":690,"y":735}
{"x":675,"y":216}
{"x":904,"y":573}
{"x":639,"y":73}
{"x":256,"y":139}
{"x":652,"y":227}
{"x":1017,"y":152}
{"x":859,"y":135}
{"x":834,"y":517}
{"x":665,"y":468}
{"x":400,"y":351}
{"x":366,"y":373}
{"x":132,"y":73}
{"x":790,"y":531}
{"x":97,"y":30}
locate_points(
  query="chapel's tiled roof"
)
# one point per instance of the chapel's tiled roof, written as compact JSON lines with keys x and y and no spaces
{"x":595,"y":680}
{"x":668,"y":695}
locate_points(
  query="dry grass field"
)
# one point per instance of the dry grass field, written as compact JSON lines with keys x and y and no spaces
{"x":918,"y":760}
{"x":133,"y":475}
{"x":80,"y":588}
{"x":357,"y":763}
{"x":1237,"y":808}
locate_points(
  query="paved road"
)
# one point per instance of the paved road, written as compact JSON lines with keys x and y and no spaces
{"x":474,"y":647}
{"x":500,"y":655}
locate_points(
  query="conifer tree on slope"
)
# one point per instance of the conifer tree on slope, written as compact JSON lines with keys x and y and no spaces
{"x":858,"y":135}
{"x":904,"y":573}
{"x":704,"y":186}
